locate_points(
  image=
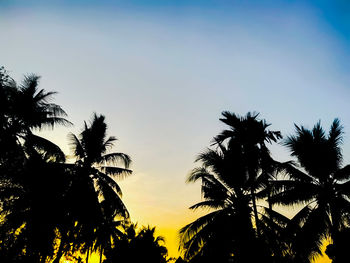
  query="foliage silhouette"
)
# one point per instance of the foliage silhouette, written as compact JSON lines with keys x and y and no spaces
{"x":339,"y":250}
{"x":138,"y":246}
{"x":250,"y":135}
{"x":50,"y":208}
{"x":319,"y":183}
{"x":98,"y":205}
{"x":230,"y":175}
{"x":30,"y":210}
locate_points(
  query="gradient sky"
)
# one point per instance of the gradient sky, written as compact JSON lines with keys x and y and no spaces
{"x":163,"y":71}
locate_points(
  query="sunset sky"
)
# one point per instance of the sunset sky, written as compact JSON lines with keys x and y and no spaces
{"x":163,"y":71}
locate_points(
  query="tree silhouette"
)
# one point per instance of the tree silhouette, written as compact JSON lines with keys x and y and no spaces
{"x":30,"y":210}
{"x":228,"y":232}
{"x":319,"y":183}
{"x":251,"y":135}
{"x":25,"y":108}
{"x":232,"y":175}
{"x":97,"y":195}
{"x":138,"y":246}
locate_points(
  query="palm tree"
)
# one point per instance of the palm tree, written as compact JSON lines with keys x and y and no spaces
{"x":318,"y":183}
{"x":251,"y":135}
{"x":233,"y":176}
{"x":228,"y":232}
{"x":29,"y":224}
{"x":95,"y":184}
{"x":25,"y":108}
{"x":138,"y":246}
{"x":151,"y":247}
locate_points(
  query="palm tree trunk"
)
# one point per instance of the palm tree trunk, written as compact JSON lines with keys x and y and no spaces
{"x":252,"y":192}
{"x":87,"y":255}
{"x":101,"y":253}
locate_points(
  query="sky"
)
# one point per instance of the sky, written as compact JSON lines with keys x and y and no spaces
{"x":163,"y":71}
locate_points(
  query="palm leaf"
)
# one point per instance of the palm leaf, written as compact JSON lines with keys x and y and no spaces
{"x":76,"y":146}
{"x":115,"y":171}
{"x":49,"y":149}
{"x":115,"y":158}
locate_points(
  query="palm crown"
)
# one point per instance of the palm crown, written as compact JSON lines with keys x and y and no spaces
{"x":317,"y":182}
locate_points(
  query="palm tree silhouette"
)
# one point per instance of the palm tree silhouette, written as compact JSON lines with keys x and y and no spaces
{"x":251,"y":135}
{"x":229,"y":229}
{"x":28,"y":196}
{"x":231,"y":175}
{"x":25,"y":108}
{"x":95,"y":185}
{"x":317,"y":182}
{"x":138,"y":246}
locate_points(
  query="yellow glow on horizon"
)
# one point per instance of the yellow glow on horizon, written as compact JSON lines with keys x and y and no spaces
{"x":324,"y":258}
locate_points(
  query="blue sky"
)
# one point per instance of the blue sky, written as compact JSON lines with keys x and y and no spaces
{"x":163,"y":71}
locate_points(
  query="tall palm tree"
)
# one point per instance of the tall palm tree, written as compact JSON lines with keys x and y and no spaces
{"x":95,"y":184}
{"x":28,"y":194}
{"x":228,"y":232}
{"x":250,"y":135}
{"x":318,"y":183}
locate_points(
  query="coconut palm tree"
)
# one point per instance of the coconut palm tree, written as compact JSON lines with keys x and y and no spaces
{"x":138,"y":246}
{"x":24,"y":109}
{"x":28,"y":194}
{"x":318,"y":183}
{"x":33,"y":108}
{"x":251,"y":134}
{"x":95,"y":184}
{"x":228,"y":232}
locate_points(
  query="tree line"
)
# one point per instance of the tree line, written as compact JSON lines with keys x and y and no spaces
{"x":242,"y":185}
{"x":53,"y":209}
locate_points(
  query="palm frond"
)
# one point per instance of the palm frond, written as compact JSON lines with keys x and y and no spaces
{"x":198,"y":173}
{"x":110,"y":142}
{"x":113,"y":184}
{"x":115,"y":158}
{"x":289,"y":169}
{"x":49,"y":149}
{"x":76,"y":146}
{"x":51,"y":122}
{"x":295,"y":194}
{"x":112,"y":199}
{"x":209,"y":204}
{"x":115,"y":171}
